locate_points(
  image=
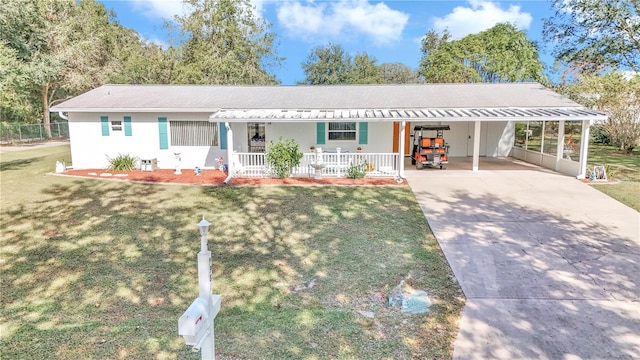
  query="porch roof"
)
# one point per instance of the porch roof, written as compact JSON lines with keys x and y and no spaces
{"x":454,"y":102}
{"x":425,"y":114}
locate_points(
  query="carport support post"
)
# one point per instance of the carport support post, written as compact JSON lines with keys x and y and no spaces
{"x":584,"y":148}
{"x":560,"y":145}
{"x":476,"y":145}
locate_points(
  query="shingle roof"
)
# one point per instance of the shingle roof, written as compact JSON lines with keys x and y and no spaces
{"x":373,"y":102}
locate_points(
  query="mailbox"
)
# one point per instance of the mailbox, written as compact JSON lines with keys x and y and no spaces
{"x":193,"y":324}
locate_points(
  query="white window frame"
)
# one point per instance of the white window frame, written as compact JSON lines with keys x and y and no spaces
{"x":343,"y":131}
{"x":116,"y":125}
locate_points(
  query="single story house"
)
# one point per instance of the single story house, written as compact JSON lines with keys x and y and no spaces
{"x":193,"y":125}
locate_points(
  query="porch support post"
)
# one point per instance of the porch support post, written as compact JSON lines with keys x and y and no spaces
{"x":230,"y":164}
{"x":560,"y":145}
{"x":476,"y":145}
{"x":403,"y":125}
{"x":584,"y":148}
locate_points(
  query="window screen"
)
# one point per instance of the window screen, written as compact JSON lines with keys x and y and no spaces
{"x":193,"y":133}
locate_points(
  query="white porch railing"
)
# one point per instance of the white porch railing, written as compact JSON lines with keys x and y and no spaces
{"x":381,"y":165}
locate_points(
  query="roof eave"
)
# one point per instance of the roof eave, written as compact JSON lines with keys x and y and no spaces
{"x":132,"y":110}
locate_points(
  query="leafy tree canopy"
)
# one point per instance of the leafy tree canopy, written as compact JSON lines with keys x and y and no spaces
{"x":500,"y":54}
{"x":615,"y":95}
{"x":330,"y":65}
{"x":55,"y":49}
{"x":398,"y":73}
{"x":225,"y":44}
{"x":327,"y":65}
{"x":590,"y":35}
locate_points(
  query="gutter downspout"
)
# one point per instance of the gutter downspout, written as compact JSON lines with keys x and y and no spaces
{"x":230,"y":165}
{"x":62,"y":115}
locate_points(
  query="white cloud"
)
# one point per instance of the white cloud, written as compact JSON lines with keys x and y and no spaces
{"x":339,"y":19}
{"x":166,"y":9}
{"x":480,"y":15}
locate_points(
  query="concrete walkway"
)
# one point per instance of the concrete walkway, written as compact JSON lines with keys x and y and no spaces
{"x":550,"y":266}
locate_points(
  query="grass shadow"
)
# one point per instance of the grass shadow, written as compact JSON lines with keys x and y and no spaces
{"x":103,"y":269}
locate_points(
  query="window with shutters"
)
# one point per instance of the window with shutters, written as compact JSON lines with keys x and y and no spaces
{"x":116,"y":125}
{"x":193,"y":133}
{"x":339,"y":131}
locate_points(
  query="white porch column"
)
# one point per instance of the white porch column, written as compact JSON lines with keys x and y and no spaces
{"x":230,"y":164}
{"x":476,"y":145}
{"x":560,"y":145}
{"x":584,"y":148}
{"x":403,"y":125}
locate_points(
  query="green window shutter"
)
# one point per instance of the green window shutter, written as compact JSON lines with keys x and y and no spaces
{"x":127,"y":126}
{"x":363,"y":133}
{"x":104,"y":121}
{"x":163,"y":133}
{"x":320,"y":133}
{"x":223,"y":136}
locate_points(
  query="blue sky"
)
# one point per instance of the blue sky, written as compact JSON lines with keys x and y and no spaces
{"x":390,"y":30}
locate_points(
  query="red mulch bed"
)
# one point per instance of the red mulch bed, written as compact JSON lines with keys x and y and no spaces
{"x":216,"y":177}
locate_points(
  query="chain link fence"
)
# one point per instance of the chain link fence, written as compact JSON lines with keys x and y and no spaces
{"x":21,"y":133}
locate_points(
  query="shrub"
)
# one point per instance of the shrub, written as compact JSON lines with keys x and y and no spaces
{"x":122,"y":162}
{"x":357,"y":170}
{"x":600,"y":134}
{"x":283,"y":156}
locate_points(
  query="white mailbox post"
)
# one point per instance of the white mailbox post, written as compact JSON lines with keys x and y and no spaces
{"x":196,"y":324}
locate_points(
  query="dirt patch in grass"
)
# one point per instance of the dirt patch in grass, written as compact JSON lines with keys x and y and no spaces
{"x":217,"y":177}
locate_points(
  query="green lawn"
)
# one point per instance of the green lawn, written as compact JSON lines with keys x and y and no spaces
{"x":96,"y":269}
{"x":620,"y":166}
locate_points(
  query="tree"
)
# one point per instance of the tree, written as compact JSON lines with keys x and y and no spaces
{"x":500,"y":54}
{"x":364,"y":70}
{"x":432,"y":41}
{"x":618,"y":97}
{"x":225,"y":43}
{"x":328,"y":65}
{"x":591,"y":35}
{"x":398,"y":73}
{"x":62,"y":48}
{"x":142,"y":62}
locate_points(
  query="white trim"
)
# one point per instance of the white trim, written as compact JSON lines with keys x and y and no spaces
{"x":403,"y":125}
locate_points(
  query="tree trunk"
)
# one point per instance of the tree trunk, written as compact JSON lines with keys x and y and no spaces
{"x":46,"y":119}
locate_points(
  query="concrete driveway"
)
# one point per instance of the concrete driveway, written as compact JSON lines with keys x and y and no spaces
{"x":550,"y":267}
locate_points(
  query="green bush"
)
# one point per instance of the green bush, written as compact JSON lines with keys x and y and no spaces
{"x":283,"y":156}
{"x":122,"y":162}
{"x":357,"y":170}
{"x":600,"y":135}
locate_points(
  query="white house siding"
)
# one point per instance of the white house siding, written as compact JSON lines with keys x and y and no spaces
{"x":500,"y":138}
{"x":89,"y":149}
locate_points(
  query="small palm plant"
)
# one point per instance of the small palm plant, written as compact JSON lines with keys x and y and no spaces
{"x":122,"y":162}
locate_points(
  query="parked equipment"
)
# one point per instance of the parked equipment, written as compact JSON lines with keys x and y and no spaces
{"x":429,"y":147}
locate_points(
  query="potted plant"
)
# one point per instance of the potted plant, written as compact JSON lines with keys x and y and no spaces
{"x":359,"y":149}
